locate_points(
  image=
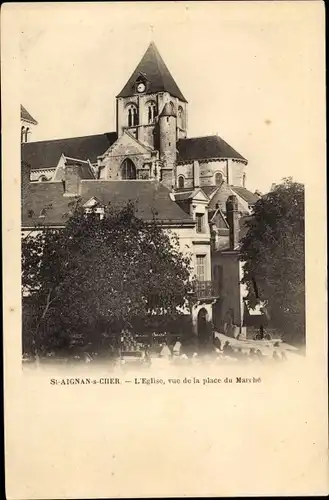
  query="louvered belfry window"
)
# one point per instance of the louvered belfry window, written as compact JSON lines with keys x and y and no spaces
{"x":132,"y":116}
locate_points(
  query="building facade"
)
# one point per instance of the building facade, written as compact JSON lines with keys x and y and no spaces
{"x":196,"y":186}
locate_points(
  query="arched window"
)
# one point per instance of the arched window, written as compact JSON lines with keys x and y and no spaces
{"x":132,"y":115}
{"x":180,"y":117}
{"x":27,"y":131}
{"x":128,"y":170}
{"x":181,"y":182}
{"x":244,"y":179}
{"x":218,"y":178}
{"x":23,"y":134}
{"x":151,"y":112}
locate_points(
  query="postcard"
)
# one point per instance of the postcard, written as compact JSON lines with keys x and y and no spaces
{"x":164,"y":243}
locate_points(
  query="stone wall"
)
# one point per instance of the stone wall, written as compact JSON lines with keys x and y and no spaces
{"x":231,"y":170}
{"x":127,"y":148}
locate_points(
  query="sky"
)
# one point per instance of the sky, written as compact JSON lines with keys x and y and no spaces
{"x":252,"y":72}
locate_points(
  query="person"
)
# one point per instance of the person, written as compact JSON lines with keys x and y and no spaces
{"x":275,"y":356}
{"x":177,"y":348}
{"x":283,"y":356}
{"x":227,"y":349}
{"x":217,"y":343}
{"x":165,"y":351}
{"x":147,"y":355}
{"x":267,"y":336}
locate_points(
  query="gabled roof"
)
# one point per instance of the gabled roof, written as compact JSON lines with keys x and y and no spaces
{"x":92,"y":202}
{"x":209,"y":190}
{"x":219,"y":199}
{"x":43,"y":154}
{"x":158,"y":77}
{"x":246,"y":195}
{"x":85,"y":169}
{"x":152,"y":199}
{"x":189,"y":195}
{"x":199,"y":148}
{"x":218,"y":217}
{"x":185,"y":195}
{"x":25,"y":115}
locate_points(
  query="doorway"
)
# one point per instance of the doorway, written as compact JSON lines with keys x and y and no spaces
{"x":203,"y":327}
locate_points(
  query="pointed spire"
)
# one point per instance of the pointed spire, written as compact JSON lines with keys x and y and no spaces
{"x":158,"y":77}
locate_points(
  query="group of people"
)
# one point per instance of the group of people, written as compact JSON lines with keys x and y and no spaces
{"x":248,"y":354}
{"x":178,"y":351}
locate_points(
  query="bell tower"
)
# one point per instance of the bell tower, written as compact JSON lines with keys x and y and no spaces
{"x":144,"y":97}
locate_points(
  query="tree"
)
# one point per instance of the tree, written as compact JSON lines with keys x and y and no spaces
{"x":273,"y":256}
{"x":98,"y":275}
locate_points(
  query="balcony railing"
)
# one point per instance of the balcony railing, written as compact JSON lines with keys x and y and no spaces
{"x":206,"y":289}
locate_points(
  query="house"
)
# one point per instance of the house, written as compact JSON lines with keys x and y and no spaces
{"x":193,"y":186}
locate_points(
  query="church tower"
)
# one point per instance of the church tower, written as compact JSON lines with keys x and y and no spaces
{"x":167,"y":144}
{"x":143,"y":99}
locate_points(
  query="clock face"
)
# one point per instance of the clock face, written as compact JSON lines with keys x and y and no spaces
{"x":140,"y":87}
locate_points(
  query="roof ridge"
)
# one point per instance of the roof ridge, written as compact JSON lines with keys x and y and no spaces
{"x":68,"y":138}
{"x":79,"y":159}
{"x":156,"y":72}
{"x":198,"y":137}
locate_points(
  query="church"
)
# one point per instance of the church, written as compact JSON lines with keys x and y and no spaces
{"x":195,"y":186}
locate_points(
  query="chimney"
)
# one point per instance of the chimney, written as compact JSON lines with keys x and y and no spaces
{"x":232,"y":214}
{"x":196,"y":174}
{"x":72,"y":179}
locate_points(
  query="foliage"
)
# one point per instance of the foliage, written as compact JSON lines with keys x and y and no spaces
{"x":273,"y":252}
{"x":96,"y":275}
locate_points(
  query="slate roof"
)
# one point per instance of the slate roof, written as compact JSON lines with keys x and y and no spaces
{"x":185,"y":195}
{"x":220,"y":198}
{"x":25,"y":115}
{"x":199,"y":148}
{"x":85,"y":170}
{"x":155,"y":71}
{"x":149,"y":195}
{"x":209,"y":190}
{"x":246,"y":195}
{"x":45,"y":154}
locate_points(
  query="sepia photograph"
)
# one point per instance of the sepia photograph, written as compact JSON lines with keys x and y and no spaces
{"x":164,"y":249}
{"x":147,"y":241}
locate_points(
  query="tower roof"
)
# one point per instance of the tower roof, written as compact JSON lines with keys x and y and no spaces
{"x":25,"y":115}
{"x":168,"y":110}
{"x":155,"y":71}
